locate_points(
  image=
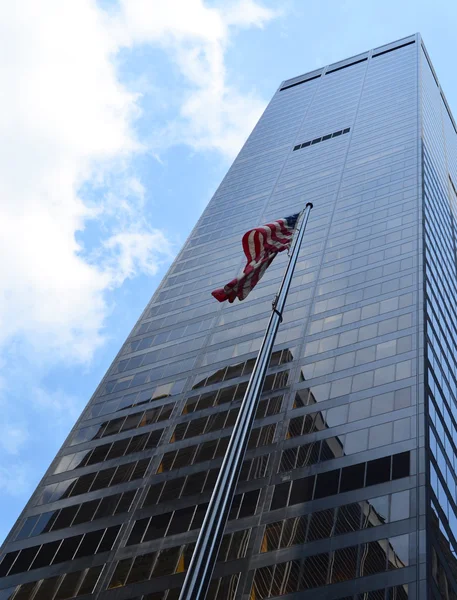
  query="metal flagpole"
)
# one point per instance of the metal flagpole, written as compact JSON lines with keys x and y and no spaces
{"x":204,"y":556}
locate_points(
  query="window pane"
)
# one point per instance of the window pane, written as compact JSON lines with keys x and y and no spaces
{"x":352,"y":477}
{"x":378,"y":471}
{"x":344,"y":564}
{"x":91,"y":579}
{"x":120,"y":573}
{"x":314,"y":572}
{"x":141,"y":569}
{"x":166,"y":562}
{"x":321,"y":525}
{"x":69,"y":586}
{"x":47,"y":588}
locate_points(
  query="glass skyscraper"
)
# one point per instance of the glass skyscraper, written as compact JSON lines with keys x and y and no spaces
{"x":348,"y":489}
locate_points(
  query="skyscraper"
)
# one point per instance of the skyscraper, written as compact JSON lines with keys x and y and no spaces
{"x":348,"y":489}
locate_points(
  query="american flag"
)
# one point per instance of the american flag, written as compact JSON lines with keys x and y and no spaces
{"x":260,"y":246}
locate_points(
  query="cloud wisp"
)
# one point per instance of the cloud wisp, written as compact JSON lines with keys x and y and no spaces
{"x":213,"y":115}
{"x":73,"y":225}
{"x":67,"y":120}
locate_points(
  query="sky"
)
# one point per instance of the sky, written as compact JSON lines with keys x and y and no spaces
{"x":118,"y":119}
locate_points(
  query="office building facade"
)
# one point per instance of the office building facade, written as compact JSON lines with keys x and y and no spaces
{"x":348,"y":488}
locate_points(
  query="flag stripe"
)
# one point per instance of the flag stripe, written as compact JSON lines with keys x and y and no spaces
{"x":260,"y":246}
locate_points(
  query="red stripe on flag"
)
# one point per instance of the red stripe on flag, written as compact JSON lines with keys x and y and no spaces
{"x":260,"y":246}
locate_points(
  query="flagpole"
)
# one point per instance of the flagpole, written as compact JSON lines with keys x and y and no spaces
{"x":204,"y":557}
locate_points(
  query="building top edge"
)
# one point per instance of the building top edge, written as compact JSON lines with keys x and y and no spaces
{"x":347,"y":61}
{"x":443,"y":96}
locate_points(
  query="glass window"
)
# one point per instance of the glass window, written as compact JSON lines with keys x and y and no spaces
{"x":27,"y":527}
{"x":137,"y":532}
{"x":181,"y":520}
{"x":377,"y":511}
{"x":103,"y":479}
{"x":280,"y":495}
{"x":378,"y":471}
{"x":86,"y":512}
{"x":398,"y":552}
{"x":402,"y":398}
{"x":124,"y":503}
{"x":157,"y":526}
{"x":249,"y":504}
{"x":141,"y":568}
{"x":399,"y":508}
{"x":380,"y":435}
{"x":356,"y":441}
{"x":343,"y":565}
{"x":402,"y":430}
{"x":105,"y":507}
{"x":383,"y":403}
{"x":7,"y":561}
{"x":337,"y":416}
{"x":327,"y":483}
{"x":294,"y":531}
{"x":166,"y":563}
{"x":172,"y":489}
{"x":200,"y":513}
{"x":302,"y":490}
{"x":348,"y":518}
{"x":373,"y":558}
{"x":321,"y":524}
{"x":47,"y":588}
{"x":90,"y":580}
{"x":271,"y":536}
{"x":314,"y":572}
{"x":69,"y":586}
{"x":120,"y":573}
{"x":153,"y":494}
{"x":194,"y":484}
{"x":400,"y":465}
{"x":359,"y":410}
{"x":68,"y":548}
{"x":352,"y":477}
{"x":23,"y":593}
{"x":108,"y":539}
{"x":90,"y":543}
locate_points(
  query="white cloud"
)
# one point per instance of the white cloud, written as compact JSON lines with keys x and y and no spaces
{"x":64,"y":407}
{"x":66,"y":119}
{"x":136,"y":251}
{"x":13,"y":437}
{"x":15,"y":479}
{"x":247,"y":13}
{"x":67,"y":125}
{"x":213,"y":114}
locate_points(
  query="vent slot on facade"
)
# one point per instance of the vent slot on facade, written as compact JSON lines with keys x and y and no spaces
{"x":322,"y":139}
{"x":286,"y":87}
{"x":346,"y":66}
{"x":392,"y":49}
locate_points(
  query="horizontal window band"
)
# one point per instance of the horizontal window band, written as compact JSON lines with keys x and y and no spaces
{"x":392,"y":49}
{"x":346,"y":66}
{"x":286,"y":87}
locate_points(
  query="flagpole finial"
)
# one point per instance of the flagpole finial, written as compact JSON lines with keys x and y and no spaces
{"x":310,"y":204}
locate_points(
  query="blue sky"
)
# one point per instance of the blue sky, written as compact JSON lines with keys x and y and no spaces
{"x":119,"y":120}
